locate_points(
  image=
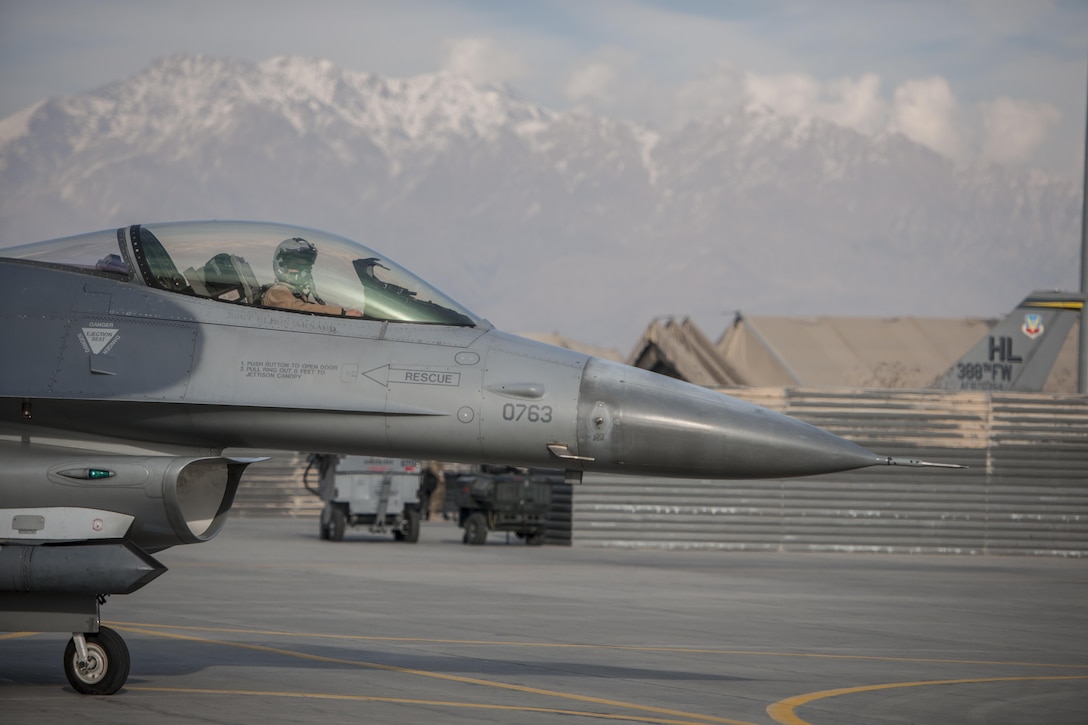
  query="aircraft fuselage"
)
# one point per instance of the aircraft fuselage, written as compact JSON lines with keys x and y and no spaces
{"x":108,"y":358}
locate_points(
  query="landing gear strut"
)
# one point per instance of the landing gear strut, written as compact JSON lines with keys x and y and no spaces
{"x":96,"y":664}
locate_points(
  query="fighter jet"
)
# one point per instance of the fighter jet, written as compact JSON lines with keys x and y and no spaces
{"x":1020,"y":351}
{"x":133,"y":357}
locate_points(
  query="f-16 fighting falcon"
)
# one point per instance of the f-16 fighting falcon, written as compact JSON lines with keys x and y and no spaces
{"x":133,"y":357}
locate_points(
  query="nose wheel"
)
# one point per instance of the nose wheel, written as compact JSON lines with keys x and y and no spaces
{"x":96,"y":664}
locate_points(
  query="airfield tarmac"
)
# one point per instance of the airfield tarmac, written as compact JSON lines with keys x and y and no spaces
{"x":268,"y":624}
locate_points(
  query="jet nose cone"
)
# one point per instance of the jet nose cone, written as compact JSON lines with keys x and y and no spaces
{"x":635,"y":421}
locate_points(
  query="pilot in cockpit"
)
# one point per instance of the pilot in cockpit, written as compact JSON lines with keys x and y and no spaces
{"x":294,"y":285}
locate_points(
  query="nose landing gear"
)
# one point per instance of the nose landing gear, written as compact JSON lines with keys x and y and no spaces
{"x":98,"y":663}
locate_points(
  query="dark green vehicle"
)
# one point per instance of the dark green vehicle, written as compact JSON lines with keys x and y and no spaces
{"x":507,"y":501}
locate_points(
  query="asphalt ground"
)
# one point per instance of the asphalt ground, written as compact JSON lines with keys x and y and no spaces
{"x":268,"y":624}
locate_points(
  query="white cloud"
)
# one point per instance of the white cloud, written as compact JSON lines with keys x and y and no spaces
{"x":1013,"y":130}
{"x":853,"y":103}
{"x":926,"y":112}
{"x":1005,"y":131}
{"x":482,"y":60}
{"x":609,"y":82}
{"x":791,"y":94}
{"x":856,"y":103}
{"x":592,"y":82}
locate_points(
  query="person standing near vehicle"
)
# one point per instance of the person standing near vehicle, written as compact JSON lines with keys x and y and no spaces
{"x":428,"y":484}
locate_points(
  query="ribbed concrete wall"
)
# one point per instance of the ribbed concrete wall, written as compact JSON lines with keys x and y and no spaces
{"x":1025,"y":493}
{"x":274,"y":487}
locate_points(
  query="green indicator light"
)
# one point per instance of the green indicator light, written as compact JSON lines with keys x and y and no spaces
{"x":96,"y":473}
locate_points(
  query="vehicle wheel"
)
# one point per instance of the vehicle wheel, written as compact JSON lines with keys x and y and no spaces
{"x":411,"y":530}
{"x":323,"y":526}
{"x":337,"y":522}
{"x":107,"y":664}
{"x":535,"y":538}
{"x":475,"y":529}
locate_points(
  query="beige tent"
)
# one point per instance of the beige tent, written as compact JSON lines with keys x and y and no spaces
{"x":679,"y":349}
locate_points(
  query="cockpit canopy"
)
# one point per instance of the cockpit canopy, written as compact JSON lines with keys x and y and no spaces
{"x":235,"y":262}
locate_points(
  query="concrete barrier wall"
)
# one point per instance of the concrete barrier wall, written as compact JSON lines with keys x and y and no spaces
{"x":1025,"y":493}
{"x":274,"y":487}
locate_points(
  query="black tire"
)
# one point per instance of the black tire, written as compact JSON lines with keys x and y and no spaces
{"x":107,"y":667}
{"x":337,"y":522}
{"x":535,"y":538}
{"x":411,"y":530}
{"x":475,"y":529}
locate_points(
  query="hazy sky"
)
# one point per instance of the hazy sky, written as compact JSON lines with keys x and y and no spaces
{"x":998,"y":80}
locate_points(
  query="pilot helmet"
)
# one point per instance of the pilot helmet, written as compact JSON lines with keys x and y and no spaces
{"x":294,"y":261}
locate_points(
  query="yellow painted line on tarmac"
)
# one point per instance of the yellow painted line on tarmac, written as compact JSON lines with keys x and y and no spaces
{"x":409,"y":701}
{"x":784,"y":711}
{"x":14,"y":635}
{"x":690,"y":717}
{"x":569,"y":645}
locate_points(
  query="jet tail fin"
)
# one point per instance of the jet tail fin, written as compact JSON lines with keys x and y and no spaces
{"x":1019,"y":352}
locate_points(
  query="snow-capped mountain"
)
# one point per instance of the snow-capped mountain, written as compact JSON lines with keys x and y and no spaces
{"x":541,"y":220}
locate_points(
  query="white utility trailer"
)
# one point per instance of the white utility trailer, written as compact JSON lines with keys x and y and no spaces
{"x":380,"y":493}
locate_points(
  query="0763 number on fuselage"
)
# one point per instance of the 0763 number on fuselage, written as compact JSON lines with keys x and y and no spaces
{"x":518,"y":412}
